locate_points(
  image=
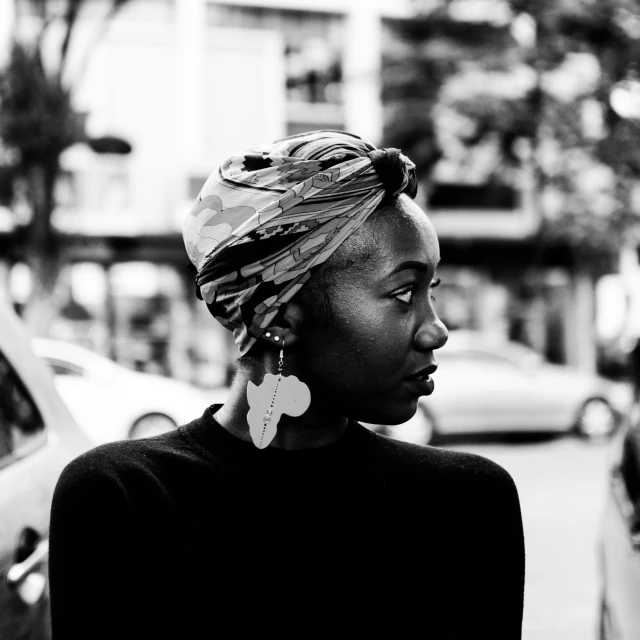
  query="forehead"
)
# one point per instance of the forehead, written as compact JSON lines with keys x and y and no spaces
{"x":402,"y":231}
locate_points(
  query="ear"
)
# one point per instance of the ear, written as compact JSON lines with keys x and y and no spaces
{"x":286,"y":324}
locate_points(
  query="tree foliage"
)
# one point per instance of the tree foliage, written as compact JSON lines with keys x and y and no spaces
{"x":423,"y":54}
{"x":586,"y":156}
{"x":38,"y":121}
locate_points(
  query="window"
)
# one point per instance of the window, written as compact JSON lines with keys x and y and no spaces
{"x":313,"y":52}
{"x":21,"y":425}
{"x":61,"y":368}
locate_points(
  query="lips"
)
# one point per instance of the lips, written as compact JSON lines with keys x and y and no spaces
{"x":420,"y":386}
{"x":421,"y":382}
{"x":425,"y":372}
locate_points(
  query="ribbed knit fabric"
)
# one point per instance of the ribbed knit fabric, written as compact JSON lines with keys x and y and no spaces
{"x":196,"y":534}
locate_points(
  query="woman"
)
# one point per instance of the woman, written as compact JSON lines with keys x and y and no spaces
{"x":278,"y":515}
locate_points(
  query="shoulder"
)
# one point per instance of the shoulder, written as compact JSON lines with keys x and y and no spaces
{"x":458,"y":471}
{"x":124,"y":467}
{"x":112,"y":458}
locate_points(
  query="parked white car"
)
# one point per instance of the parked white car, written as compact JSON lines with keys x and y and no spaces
{"x":38,"y":438}
{"x":111,"y":402}
{"x":485,"y":385}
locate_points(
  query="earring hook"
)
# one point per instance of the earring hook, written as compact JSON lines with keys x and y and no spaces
{"x":281,"y":361}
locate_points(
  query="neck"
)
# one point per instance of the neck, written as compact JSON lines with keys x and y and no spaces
{"x":312,"y":429}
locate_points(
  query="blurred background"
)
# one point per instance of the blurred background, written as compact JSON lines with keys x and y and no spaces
{"x":523,"y":119}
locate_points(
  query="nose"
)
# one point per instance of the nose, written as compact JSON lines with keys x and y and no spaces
{"x":432,"y":335}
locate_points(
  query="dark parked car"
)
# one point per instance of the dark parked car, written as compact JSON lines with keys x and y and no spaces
{"x":619,"y":547}
{"x":38,"y":437}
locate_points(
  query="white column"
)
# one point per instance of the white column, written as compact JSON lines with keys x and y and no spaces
{"x":581,"y":329}
{"x":7,"y":21}
{"x":361,"y":71}
{"x":189,"y":125}
{"x":630,"y":280}
{"x":5,"y":287}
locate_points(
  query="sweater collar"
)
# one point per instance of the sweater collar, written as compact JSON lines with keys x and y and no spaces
{"x":215,"y":442}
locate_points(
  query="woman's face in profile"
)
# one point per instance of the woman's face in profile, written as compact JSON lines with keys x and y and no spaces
{"x":384,"y":329}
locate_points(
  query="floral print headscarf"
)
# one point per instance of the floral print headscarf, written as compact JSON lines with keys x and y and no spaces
{"x":266,"y":217}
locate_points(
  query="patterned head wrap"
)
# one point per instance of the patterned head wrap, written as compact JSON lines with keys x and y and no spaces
{"x":266,"y":217}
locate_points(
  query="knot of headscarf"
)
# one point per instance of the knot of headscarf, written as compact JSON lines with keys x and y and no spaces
{"x":264,"y":218}
{"x":392,"y":169}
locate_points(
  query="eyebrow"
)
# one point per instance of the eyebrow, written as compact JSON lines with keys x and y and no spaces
{"x":412,"y":264}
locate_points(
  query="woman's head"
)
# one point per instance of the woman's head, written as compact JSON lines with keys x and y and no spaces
{"x":301,"y":238}
{"x":266,"y":217}
{"x":380,"y":326}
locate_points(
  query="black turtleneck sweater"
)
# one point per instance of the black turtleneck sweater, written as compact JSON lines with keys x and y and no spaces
{"x":196,"y":534}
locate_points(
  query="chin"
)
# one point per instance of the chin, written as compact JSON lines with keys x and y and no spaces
{"x":389,"y":415}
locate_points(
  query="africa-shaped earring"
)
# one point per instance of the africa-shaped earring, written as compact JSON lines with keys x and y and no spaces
{"x":268,"y":401}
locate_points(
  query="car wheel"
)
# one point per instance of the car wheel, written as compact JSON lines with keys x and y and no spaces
{"x":420,"y":429}
{"x":596,"y":420}
{"x":152,"y":424}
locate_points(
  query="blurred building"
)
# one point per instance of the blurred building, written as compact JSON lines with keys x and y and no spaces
{"x":188,"y":82}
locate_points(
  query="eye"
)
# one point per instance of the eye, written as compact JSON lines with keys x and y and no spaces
{"x":408,"y":292}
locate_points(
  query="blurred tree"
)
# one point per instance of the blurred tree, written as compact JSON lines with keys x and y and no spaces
{"x":418,"y":61}
{"x":536,"y":71}
{"x":37,"y":123}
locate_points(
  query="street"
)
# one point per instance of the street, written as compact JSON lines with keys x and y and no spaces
{"x":562,"y":485}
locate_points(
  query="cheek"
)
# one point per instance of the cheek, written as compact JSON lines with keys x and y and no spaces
{"x":366,"y":338}
{"x":359,"y":324}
